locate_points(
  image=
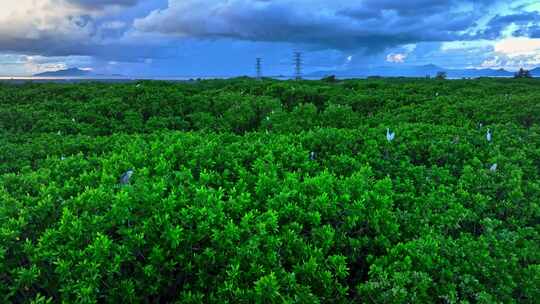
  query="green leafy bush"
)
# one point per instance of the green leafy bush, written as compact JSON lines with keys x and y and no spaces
{"x":267,"y":192}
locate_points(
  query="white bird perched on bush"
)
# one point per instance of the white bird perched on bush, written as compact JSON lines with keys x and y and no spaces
{"x":493,"y":167}
{"x":312,"y":155}
{"x":124,"y":179}
{"x":488,"y":135}
{"x":390,"y":135}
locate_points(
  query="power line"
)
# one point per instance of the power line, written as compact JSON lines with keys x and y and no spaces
{"x":258,"y":67}
{"x":298,"y":65}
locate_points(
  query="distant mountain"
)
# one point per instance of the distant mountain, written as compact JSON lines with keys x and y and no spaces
{"x":478,"y":73}
{"x":384,"y":71}
{"x":73,"y":72}
{"x":535,"y":72}
{"x":76,"y":72}
{"x":417,"y":71}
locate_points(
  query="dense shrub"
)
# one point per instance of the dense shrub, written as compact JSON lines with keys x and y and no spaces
{"x":267,"y":192}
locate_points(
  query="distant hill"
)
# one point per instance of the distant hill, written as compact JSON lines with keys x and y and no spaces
{"x":74,"y":72}
{"x":535,"y":72}
{"x":479,"y":73}
{"x":417,"y":71}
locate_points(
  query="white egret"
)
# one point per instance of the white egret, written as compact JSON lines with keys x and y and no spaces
{"x":312,"y":155}
{"x":390,"y":136}
{"x":124,"y":179}
{"x":493,"y":167}
{"x":488,"y":135}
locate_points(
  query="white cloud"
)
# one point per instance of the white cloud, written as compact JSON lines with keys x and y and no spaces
{"x":510,"y":53}
{"x":29,"y":19}
{"x":465,"y":45}
{"x":518,"y":46}
{"x":409,"y":48}
{"x":24,"y":65}
{"x":63,"y":32}
{"x":38,"y":64}
{"x":494,"y":62}
{"x":44,"y":26}
{"x":396,"y":58}
{"x":58,"y":27}
{"x":513,"y":53}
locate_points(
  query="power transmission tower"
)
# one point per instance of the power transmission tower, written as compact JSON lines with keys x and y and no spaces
{"x":298,"y":65}
{"x":258,"y":66}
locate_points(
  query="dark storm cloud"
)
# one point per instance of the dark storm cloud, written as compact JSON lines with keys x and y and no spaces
{"x":527,"y":24}
{"x":73,"y":27}
{"x":534,"y":32}
{"x":371,"y":8}
{"x":370,"y":24}
{"x":51,"y":46}
{"x":135,"y":29}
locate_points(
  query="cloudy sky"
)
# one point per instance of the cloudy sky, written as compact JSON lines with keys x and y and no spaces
{"x":223,"y":37}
